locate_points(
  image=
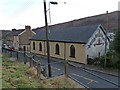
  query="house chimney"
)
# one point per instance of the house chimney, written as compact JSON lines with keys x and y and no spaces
{"x":14,"y":29}
{"x":106,"y":12}
{"x":27,"y":27}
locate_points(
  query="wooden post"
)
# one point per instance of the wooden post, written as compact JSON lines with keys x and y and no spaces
{"x":30,"y":61}
{"x":10,"y":53}
{"x":38,"y":69}
{"x":25,"y":57}
{"x":17,"y":54}
{"x":25,"y":61}
{"x":33,"y":62}
{"x":106,"y":41}
{"x":66,"y":67}
{"x":47,"y":39}
{"x":66,"y":61}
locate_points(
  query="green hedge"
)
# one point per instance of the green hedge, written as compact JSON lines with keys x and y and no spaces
{"x":112,"y":60}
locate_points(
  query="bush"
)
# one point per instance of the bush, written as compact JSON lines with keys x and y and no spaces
{"x":90,"y":61}
{"x":112,"y":60}
{"x":117,"y":62}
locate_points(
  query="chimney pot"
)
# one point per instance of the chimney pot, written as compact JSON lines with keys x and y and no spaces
{"x":27,"y":27}
{"x":107,"y":12}
{"x":14,"y":29}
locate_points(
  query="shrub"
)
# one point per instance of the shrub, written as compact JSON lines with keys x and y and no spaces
{"x":112,"y":60}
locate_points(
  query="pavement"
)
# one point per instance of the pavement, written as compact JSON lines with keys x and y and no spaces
{"x":97,"y":69}
{"x":91,"y":67}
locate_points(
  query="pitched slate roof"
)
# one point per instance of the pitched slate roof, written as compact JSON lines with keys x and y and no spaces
{"x":15,"y":32}
{"x":36,"y":30}
{"x":74,"y":34}
{"x":91,"y":20}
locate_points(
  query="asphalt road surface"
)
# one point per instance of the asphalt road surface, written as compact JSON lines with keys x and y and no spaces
{"x":91,"y":79}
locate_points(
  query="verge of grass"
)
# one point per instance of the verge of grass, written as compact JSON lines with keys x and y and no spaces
{"x":60,"y":82}
{"x":0,"y":71}
{"x":16,"y":75}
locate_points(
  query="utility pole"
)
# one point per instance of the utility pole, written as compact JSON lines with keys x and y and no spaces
{"x":66,"y":62}
{"x":106,"y":39}
{"x":47,"y":40}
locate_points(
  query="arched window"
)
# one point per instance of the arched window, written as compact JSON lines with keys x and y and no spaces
{"x":72,"y":51}
{"x":57,"y":51}
{"x":40,"y":46}
{"x":33,"y":45}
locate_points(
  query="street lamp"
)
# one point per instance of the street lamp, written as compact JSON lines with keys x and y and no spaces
{"x":47,"y":39}
{"x":54,"y":3}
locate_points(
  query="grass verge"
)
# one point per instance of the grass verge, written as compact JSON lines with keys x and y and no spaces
{"x":16,"y":75}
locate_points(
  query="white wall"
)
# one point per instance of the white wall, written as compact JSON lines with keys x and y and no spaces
{"x":93,"y":51}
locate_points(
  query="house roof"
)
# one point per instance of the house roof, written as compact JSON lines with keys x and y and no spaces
{"x":73,"y":34}
{"x":4,"y":33}
{"x":15,"y":32}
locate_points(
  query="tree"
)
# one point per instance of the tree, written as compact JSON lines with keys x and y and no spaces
{"x":116,"y":43}
{"x":116,"y":47}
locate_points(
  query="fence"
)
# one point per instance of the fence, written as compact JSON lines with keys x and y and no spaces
{"x":39,"y":62}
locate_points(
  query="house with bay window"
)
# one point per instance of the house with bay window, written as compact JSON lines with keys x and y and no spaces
{"x":74,"y":43}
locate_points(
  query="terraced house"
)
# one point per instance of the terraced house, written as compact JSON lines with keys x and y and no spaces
{"x":19,"y":39}
{"x":74,"y":44}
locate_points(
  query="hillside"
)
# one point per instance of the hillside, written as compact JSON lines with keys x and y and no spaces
{"x":91,"y":20}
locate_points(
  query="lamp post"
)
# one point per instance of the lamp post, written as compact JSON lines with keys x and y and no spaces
{"x":54,"y":3}
{"x":47,"y":39}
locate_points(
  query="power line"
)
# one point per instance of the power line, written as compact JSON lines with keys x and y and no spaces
{"x":23,"y":8}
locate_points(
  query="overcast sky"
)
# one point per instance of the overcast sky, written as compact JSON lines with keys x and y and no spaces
{"x":18,"y":13}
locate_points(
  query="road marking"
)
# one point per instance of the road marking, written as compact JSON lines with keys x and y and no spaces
{"x":90,"y":80}
{"x":54,"y":69}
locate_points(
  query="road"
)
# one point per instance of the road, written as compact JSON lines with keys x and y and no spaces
{"x":90,"y":79}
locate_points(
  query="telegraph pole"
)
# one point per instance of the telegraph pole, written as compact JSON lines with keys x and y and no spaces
{"x":47,"y":40}
{"x":106,"y":39}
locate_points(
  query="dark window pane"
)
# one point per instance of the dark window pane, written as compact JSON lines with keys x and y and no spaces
{"x":33,"y":45}
{"x":40,"y":46}
{"x":57,"y":49}
{"x":72,"y":51}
